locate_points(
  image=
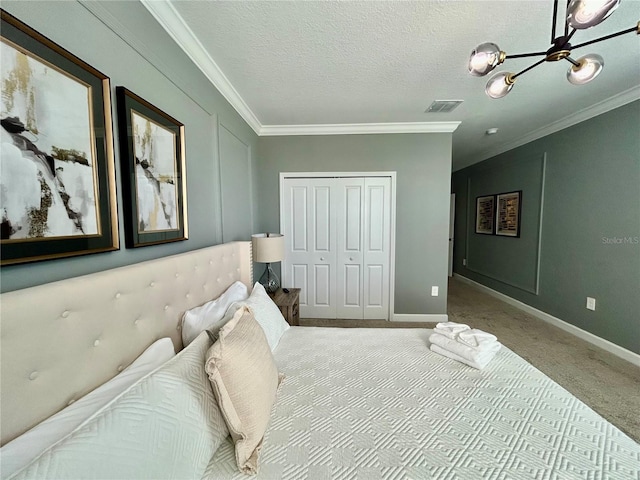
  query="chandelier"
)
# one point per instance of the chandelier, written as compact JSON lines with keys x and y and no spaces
{"x":580,"y":14}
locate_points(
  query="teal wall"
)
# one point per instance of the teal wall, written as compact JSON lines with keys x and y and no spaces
{"x":423,"y":166}
{"x":123,"y":41}
{"x":580,"y":225}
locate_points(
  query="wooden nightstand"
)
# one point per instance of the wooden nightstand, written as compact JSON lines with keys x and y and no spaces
{"x":289,"y":304}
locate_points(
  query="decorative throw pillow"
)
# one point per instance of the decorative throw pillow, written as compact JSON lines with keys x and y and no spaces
{"x":245,"y":380}
{"x":266,"y":313}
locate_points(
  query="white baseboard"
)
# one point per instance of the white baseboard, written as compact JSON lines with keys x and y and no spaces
{"x":610,"y":347}
{"x":420,"y":317}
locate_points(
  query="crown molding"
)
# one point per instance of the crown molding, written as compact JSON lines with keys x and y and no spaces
{"x":172,"y":22}
{"x":606,"y":105}
{"x":358,"y":128}
{"x":167,"y":16}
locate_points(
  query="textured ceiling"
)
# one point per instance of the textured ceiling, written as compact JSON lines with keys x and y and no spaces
{"x":336,"y":62}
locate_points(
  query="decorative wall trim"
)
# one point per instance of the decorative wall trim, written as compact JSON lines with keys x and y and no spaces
{"x":359,"y":128}
{"x":610,"y":347}
{"x":616,"y":101}
{"x":172,"y":22}
{"x":540,"y":221}
{"x":535,"y":289}
{"x":130,"y":38}
{"x":420,"y":317}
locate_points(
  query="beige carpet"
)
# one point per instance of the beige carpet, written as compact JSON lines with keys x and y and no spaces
{"x":608,"y":384}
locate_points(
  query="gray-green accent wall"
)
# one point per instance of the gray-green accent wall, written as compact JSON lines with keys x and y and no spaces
{"x":423,"y":166}
{"x":123,"y":41}
{"x":580,"y":225}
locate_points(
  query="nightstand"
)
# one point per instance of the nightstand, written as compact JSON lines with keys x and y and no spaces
{"x":289,"y":304}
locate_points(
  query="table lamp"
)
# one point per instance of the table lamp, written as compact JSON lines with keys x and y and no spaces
{"x":268,"y":248}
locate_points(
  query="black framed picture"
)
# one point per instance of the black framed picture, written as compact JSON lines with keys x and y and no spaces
{"x":485,"y":214}
{"x":152,"y":155}
{"x":58,"y":178}
{"x":508,"y":208}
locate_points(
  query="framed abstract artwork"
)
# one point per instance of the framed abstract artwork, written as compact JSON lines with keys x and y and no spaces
{"x":485,"y":214}
{"x":152,"y":155}
{"x":57,"y":189}
{"x":508,"y":208}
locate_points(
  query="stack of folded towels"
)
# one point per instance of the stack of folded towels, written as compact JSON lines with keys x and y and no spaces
{"x":464,"y":344}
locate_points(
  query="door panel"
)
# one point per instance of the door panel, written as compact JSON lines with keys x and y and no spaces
{"x":322,"y":293}
{"x":299,"y":278}
{"x":349,"y":223}
{"x":377,"y":227}
{"x":322,"y":218}
{"x":337,"y":243}
{"x":298,"y":214}
{"x":310,"y":245}
{"x":353,"y":286}
{"x":374,"y":290}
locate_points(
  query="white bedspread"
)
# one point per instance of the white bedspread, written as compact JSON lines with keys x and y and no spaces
{"x":378,"y":404}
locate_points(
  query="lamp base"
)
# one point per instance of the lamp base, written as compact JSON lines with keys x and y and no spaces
{"x":269,"y":280}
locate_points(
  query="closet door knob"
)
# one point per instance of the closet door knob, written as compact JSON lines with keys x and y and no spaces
{"x":351,"y":259}
{"x":322,"y":259}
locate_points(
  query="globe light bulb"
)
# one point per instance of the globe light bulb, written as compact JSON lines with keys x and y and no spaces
{"x":583,"y":14}
{"x":484,"y":58}
{"x":589,"y":68}
{"x":500,"y":84}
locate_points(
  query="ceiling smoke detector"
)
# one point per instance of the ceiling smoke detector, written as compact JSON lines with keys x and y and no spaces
{"x":443,"y":106}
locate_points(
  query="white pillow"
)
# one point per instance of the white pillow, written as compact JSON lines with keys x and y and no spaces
{"x":199,"y":319}
{"x":266,"y":313}
{"x":166,"y":425}
{"x":20,"y":451}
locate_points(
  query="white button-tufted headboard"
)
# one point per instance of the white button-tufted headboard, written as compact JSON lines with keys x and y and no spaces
{"x":61,"y":340}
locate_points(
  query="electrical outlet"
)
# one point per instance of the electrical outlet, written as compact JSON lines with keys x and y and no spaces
{"x":464,"y":262}
{"x":591,"y":303}
{"x":434,"y":291}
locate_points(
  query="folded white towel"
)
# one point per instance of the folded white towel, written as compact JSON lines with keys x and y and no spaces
{"x":473,"y":354}
{"x":450,"y":329}
{"x":475,"y":364}
{"x":475,"y":338}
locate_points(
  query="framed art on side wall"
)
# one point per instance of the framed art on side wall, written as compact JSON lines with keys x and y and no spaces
{"x":57,"y":190}
{"x":485,"y":208}
{"x":508,"y":208}
{"x":153,"y":172}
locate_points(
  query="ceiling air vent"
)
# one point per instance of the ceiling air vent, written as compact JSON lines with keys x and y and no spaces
{"x":443,"y":106}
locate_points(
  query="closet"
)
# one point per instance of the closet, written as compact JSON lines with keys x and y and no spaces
{"x":338,"y":243}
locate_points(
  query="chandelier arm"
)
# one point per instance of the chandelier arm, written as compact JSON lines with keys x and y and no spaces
{"x":523,"y":55}
{"x":572,"y":61}
{"x":566,"y":23}
{"x":568,"y":37}
{"x":606,"y":37}
{"x":553,"y":20}
{"x":513,"y":77}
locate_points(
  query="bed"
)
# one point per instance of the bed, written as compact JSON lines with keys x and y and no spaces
{"x":354,"y":404}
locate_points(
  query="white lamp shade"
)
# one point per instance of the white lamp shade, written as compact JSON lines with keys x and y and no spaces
{"x":589,"y":68}
{"x":583,"y":14}
{"x":267,"y":249}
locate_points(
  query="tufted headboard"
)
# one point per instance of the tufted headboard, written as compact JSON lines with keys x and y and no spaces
{"x":61,"y":340}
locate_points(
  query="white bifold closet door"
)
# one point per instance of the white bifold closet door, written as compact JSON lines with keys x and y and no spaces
{"x":337,"y":242}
